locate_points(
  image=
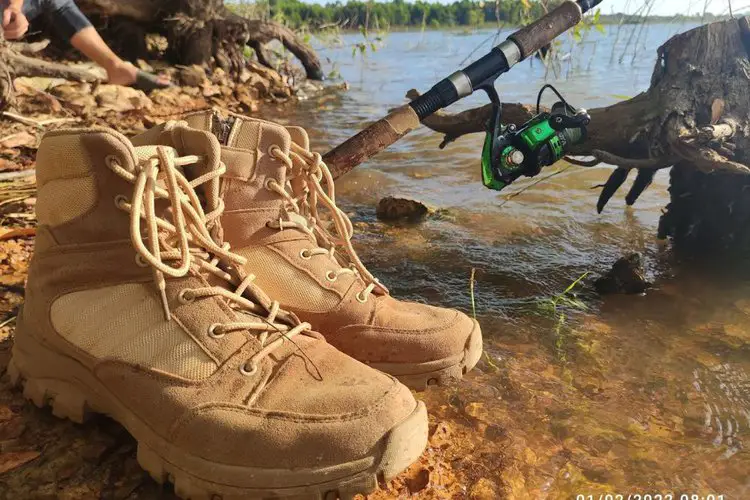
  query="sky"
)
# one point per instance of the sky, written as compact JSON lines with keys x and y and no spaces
{"x":670,"y":7}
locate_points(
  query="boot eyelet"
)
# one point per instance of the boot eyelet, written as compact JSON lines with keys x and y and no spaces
{"x":268,"y":183}
{"x":186,"y":296}
{"x":140,"y":261}
{"x":360,"y":298}
{"x":213,"y":331}
{"x":121,"y":201}
{"x":272,"y":151}
{"x":331,"y":276}
{"x":112,"y":161}
{"x":248,"y":371}
{"x":305,"y":254}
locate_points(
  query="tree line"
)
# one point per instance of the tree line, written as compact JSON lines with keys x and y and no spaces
{"x":354,"y":14}
{"x":397,"y":13}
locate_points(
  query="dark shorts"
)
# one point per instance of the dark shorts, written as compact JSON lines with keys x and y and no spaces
{"x":64,"y":15}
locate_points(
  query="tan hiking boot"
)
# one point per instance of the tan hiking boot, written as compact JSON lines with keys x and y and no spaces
{"x":136,"y":309}
{"x":274,"y":189}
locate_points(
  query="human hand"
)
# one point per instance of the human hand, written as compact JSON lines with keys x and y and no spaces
{"x":15,"y":24}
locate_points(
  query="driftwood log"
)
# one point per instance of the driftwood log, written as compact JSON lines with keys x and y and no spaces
{"x":197,"y":31}
{"x":695,"y":117}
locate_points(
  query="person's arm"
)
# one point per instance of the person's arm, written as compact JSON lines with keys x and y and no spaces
{"x":15,"y":23}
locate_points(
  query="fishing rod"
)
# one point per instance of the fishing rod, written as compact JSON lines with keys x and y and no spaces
{"x":509,"y":151}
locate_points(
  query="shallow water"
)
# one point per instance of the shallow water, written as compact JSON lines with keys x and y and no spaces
{"x":639,"y":394}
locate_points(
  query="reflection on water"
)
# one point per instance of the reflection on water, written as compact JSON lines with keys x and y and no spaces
{"x":630,"y":394}
{"x":725,"y":391}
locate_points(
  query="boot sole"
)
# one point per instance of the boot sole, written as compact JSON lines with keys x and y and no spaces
{"x":418,"y":376}
{"x":80,"y":395}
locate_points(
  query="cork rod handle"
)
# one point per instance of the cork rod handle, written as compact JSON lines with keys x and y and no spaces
{"x":371,"y":140}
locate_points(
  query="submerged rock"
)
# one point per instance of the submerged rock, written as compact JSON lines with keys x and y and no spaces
{"x":626,"y":276}
{"x":402,"y":209}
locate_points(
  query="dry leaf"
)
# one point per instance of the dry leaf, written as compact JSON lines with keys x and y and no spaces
{"x":417,"y":480}
{"x":13,"y":459}
{"x":717,"y":109}
{"x":21,"y":139}
{"x":118,"y":98}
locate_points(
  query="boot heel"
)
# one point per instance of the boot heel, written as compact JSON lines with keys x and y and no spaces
{"x":65,"y":399}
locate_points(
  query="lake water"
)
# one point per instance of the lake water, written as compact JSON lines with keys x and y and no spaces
{"x":623,"y":394}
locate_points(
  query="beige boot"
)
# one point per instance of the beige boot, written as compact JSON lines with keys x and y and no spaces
{"x":136,"y":309}
{"x":273,"y":189}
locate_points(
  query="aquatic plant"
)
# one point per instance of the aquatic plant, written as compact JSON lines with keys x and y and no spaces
{"x":557,"y":308}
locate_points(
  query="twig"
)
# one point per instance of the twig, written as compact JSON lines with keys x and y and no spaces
{"x":37,"y":123}
{"x":20,"y":174}
{"x":613,"y":159}
{"x":23,"y":232}
{"x":525,"y":188}
{"x":8,"y":321}
{"x":471,"y":292}
{"x":582,"y":163}
{"x":22,"y":119}
{"x":13,"y":200}
{"x":474,"y":315}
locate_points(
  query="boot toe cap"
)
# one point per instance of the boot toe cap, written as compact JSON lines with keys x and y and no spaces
{"x":407,"y":332}
{"x":342,"y":414}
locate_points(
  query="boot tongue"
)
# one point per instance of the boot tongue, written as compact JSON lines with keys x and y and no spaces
{"x":256,"y":137}
{"x":183,"y":140}
{"x":247,"y":143}
{"x":299,"y":136}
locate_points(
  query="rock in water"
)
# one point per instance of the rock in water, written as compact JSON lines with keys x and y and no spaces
{"x":626,"y":276}
{"x":401,"y":209}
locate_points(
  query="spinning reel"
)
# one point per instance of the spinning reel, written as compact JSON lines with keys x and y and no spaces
{"x":510,"y":151}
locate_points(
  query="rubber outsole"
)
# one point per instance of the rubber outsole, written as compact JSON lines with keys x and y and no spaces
{"x":418,"y":376}
{"x":195,"y":478}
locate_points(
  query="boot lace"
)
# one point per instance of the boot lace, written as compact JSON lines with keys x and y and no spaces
{"x":307,"y":172}
{"x":184,"y":244}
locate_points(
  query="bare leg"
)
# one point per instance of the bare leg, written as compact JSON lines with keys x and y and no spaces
{"x":90,"y":43}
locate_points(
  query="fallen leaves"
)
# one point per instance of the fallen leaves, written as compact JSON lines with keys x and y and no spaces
{"x":417,"y":480}
{"x":121,"y":99}
{"x":20,"y":139}
{"x":484,"y":489}
{"x":13,"y":459}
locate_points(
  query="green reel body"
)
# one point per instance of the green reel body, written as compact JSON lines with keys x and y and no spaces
{"x":511,"y":152}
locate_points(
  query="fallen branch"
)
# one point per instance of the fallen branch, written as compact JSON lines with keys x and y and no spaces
{"x":21,"y":65}
{"x":29,"y":48}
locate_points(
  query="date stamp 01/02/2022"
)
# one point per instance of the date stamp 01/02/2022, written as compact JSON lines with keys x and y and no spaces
{"x":651,"y":496}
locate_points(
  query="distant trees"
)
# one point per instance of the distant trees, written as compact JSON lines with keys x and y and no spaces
{"x":355,"y":13}
{"x":384,"y":14}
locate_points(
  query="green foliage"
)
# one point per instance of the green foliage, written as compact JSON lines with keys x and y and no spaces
{"x":381,"y":15}
{"x":557,"y":308}
{"x":589,"y":22}
{"x":385,"y":14}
